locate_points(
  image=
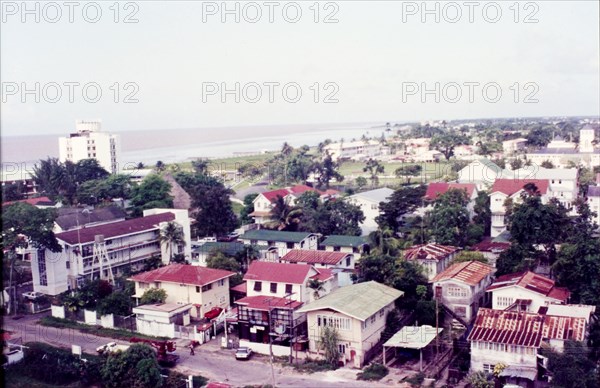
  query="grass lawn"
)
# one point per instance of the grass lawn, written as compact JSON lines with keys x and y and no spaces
{"x":237,"y":208}
{"x":230,"y":163}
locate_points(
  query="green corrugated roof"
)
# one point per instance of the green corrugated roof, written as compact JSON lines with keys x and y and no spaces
{"x":359,"y":301}
{"x":274,"y":235}
{"x":344,"y":241}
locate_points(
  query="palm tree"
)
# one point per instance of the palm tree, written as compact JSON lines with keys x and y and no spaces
{"x":317,"y":286}
{"x":286,"y":149}
{"x":384,"y":240}
{"x":284,"y":216}
{"x":172,"y":234}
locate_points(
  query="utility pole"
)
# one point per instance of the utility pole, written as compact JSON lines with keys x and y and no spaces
{"x":438,"y":294}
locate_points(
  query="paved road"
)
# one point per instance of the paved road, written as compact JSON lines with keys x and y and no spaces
{"x":209,"y":361}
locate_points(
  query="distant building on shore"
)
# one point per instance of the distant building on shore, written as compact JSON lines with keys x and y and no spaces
{"x":89,"y":142}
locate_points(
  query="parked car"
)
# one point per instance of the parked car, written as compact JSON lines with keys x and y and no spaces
{"x":213,"y":313}
{"x":32,"y":295}
{"x":229,"y":238}
{"x":111,"y":347}
{"x":243,"y":353}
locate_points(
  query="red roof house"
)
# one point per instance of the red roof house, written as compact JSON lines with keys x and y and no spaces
{"x":324,"y":258}
{"x":437,"y":188}
{"x":512,"y":186}
{"x":183,"y":274}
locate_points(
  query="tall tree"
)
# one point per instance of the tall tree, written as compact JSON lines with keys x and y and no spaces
{"x":327,"y":170}
{"x":447,"y":142}
{"x":483,"y":214}
{"x":172,"y":235}
{"x":317,"y":286}
{"x":402,"y":202}
{"x":284,"y":216}
{"x":408,"y":171}
{"x":135,"y":367}
{"x":449,"y":218}
{"x":210,"y":199}
{"x":153,"y":192}
{"x":374,"y":168}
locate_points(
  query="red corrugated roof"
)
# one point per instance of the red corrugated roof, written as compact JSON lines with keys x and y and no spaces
{"x":314,"y":257}
{"x":43,"y":201}
{"x":533,"y":282}
{"x":136,"y":225}
{"x":469,"y":272}
{"x":511,"y":186}
{"x":299,"y":189}
{"x":266,"y":303}
{"x":524,"y":329}
{"x":429,"y":252}
{"x":324,"y":274}
{"x":183,"y":273}
{"x":272,"y":195}
{"x":242,"y":288}
{"x":278,"y":272}
{"x":436,"y":188}
{"x":490,"y":246}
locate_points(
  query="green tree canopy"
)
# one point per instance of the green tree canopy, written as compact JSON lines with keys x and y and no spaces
{"x":402,"y":202}
{"x":153,"y":295}
{"x":446,"y":143}
{"x":408,"y":171}
{"x":449,"y":218}
{"x":135,"y":367}
{"x":153,"y":192}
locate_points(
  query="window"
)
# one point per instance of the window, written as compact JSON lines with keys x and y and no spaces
{"x":206,"y":287}
{"x":289,"y":288}
{"x":373,"y":318}
{"x":381,"y":312}
{"x":336,"y":249}
{"x":488,"y":368}
{"x":348,"y":260}
{"x":221,"y":282}
{"x":257,"y":286}
{"x":68,"y":264}
{"x":504,"y":301}
{"x":42,"y":267}
{"x":198,"y":289}
{"x":457,"y":292}
{"x":340,"y":323}
{"x":290,"y":245}
{"x":274,"y":288}
{"x":374,"y":206}
{"x":342,"y":348}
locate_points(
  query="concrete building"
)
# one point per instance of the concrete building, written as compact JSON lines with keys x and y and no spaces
{"x":357,"y":245}
{"x":526,"y":291}
{"x":102,"y":251}
{"x":511,"y":147}
{"x":203,"y":288}
{"x":504,"y":189}
{"x":356,"y":150}
{"x":515,"y":338}
{"x":73,"y":218}
{"x":561,"y":153}
{"x":369,"y":201}
{"x":434,"y":258}
{"x":279,"y":243}
{"x":160,"y":319}
{"x":89,"y":142}
{"x":358,"y":313}
{"x":483,"y":173}
{"x":463,"y":287}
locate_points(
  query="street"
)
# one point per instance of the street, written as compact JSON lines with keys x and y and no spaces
{"x":209,"y":360}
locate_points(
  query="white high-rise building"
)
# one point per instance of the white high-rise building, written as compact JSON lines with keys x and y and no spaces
{"x":89,"y":142}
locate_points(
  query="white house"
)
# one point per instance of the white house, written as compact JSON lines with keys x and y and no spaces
{"x":205,"y":288}
{"x":102,"y":251}
{"x":511,"y":147}
{"x":356,"y":245}
{"x":181,"y":219}
{"x":89,"y":142}
{"x":463,"y":287}
{"x":285,"y":280}
{"x":358,"y":313}
{"x":514,"y":339}
{"x":593,"y":198}
{"x":483,"y":173}
{"x":562,"y":182}
{"x":280,"y":243}
{"x":341,"y":263}
{"x":491,"y":250}
{"x":526,"y":291}
{"x":369,"y":201}
{"x":504,"y":189}
{"x":434,"y":258}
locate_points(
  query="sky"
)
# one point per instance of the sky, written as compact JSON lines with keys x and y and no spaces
{"x":351,"y":61}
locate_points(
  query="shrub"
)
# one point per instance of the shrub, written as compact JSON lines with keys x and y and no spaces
{"x":373,"y":372}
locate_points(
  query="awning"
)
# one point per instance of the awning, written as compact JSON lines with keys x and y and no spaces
{"x":519,"y":371}
{"x":413,"y":337}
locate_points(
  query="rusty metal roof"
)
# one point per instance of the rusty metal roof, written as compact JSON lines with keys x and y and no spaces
{"x":533,"y":282}
{"x":429,"y":252}
{"x":469,"y":272}
{"x":524,"y":329}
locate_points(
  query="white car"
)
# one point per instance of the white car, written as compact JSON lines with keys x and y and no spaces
{"x":243,"y":353}
{"x":32,"y":295}
{"x":111,"y":347}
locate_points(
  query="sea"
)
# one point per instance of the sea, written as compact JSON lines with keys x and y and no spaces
{"x":180,"y":145}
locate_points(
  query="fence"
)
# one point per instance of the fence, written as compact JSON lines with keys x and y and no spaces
{"x":90,"y":317}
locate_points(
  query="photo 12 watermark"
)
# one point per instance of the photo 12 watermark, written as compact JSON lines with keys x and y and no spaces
{"x":69,"y":11}
{"x":470,"y":11}
{"x":270,"y":92}
{"x":470,"y":91}
{"x":70,"y":91}
{"x":270,"y":12}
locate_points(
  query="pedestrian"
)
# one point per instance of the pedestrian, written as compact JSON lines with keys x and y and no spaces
{"x":191,"y":349}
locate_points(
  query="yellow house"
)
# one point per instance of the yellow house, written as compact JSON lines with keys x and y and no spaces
{"x":203,"y":287}
{"x":358,"y":314}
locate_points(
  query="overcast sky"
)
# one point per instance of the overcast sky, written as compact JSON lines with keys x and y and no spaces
{"x":368,"y":58}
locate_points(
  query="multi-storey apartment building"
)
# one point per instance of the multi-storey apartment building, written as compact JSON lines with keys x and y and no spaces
{"x":89,"y":142}
{"x":103,"y":251}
